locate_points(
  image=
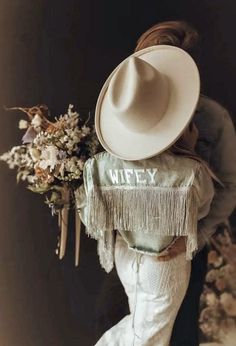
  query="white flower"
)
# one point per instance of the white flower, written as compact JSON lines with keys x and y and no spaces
{"x":71,"y":165}
{"x":80,"y":164}
{"x":5,"y":156}
{"x":86,"y":130}
{"x":70,"y":109}
{"x":70,"y":145}
{"x":35,"y":154}
{"x":62,"y":169}
{"x":31,"y":179}
{"x":36,"y":121}
{"x":49,"y":157}
{"x":23,"y":124}
{"x":61,"y":154}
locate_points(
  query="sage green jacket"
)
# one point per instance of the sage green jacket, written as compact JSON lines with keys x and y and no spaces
{"x":149,"y":202}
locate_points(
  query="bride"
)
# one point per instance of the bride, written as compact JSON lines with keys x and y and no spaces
{"x":148,"y":189}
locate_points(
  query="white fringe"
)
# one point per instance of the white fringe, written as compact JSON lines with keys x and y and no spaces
{"x":160,"y":210}
{"x":105,"y":249}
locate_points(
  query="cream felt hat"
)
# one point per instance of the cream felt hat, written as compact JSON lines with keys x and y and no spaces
{"x":147,"y":102}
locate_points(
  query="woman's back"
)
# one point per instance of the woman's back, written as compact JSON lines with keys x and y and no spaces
{"x":149,"y":201}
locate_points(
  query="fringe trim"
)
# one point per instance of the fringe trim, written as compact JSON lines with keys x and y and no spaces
{"x":160,"y":210}
{"x":105,"y":248}
{"x":165,"y":211}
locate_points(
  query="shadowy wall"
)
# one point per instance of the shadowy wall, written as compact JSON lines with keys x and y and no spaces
{"x":60,"y":52}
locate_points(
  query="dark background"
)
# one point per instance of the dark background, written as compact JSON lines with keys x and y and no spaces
{"x":59,"y":52}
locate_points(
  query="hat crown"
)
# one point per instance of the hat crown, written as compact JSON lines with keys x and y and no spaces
{"x":140,"y":112}
{"x":138,"y":94}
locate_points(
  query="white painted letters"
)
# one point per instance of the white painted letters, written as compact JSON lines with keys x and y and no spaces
{"x":114,"y":176}
{"x":138,"y":172}
{"x":128,"y":174}
{"x":152,"y":174}
{"x":122,"y":176}
{"x":133,"y":176}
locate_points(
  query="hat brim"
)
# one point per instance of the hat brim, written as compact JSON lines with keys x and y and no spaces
{"x":184,"y":89}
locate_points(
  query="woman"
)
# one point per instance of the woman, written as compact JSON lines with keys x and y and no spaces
{"x":148,"y":186}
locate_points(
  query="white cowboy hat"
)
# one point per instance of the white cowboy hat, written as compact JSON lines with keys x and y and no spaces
{"x":147,"y":102}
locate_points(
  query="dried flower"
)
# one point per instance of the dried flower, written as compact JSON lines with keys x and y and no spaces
{"x":218,"y":301}
{"x":29,"y":136}
{"x":228,"y":333}
{"x":220,"y":284}
{"x":53,"y":153}
{"x":23,"y":124}
{"x":35,"y":154}
{"x":36,"y":122}
{"x":211,"y":299}
{"x":212,"y":275}
{"x":214,"y":258}
{"x":228,"y":303}
{"x":48,"y":157}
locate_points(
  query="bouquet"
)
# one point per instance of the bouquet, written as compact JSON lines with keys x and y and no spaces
{"x":218,"y":301}
{"x":51,"y":159}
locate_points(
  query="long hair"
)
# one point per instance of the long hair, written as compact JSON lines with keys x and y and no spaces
{"x":174,"y":33}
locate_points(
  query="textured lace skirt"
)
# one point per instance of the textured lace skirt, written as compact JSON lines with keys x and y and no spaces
{"x":155,"y":292}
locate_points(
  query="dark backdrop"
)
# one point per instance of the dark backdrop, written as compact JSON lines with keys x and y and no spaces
{"x":59,"y":52}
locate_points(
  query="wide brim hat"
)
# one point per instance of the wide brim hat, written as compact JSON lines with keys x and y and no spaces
{"x":147,"y":102}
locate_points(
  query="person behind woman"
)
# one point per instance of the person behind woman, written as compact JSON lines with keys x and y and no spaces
{"x":214,"y":144}
{"x":148,"y":190}
{"x":215,"y":140}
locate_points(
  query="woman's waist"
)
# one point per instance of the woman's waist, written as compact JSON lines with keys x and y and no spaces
{"x":146,"y":243}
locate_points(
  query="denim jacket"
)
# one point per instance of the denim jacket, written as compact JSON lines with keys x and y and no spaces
{"x":149,"y":202}
{"x":216,"y":145}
